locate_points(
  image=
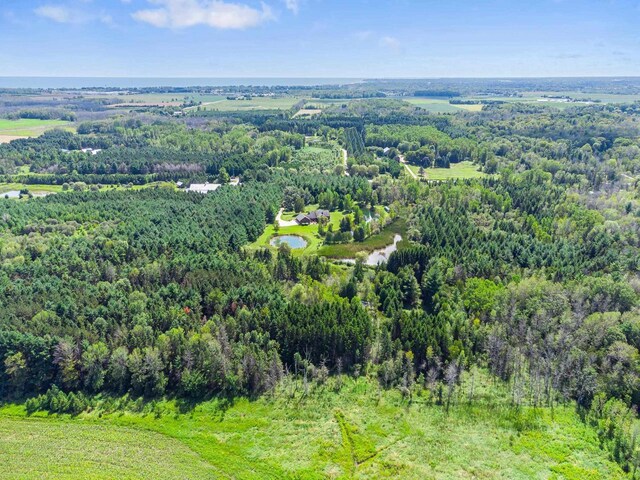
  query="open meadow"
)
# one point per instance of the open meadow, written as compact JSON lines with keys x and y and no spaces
{"x":346,"y":428}
{"x":462,"y":170}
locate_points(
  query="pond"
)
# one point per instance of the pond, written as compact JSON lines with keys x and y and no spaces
{"x":293,"y":241}
{"x":11,"y":194}
{"x":380,"y":256}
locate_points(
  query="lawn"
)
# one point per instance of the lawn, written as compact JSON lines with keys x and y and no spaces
{"x":350,"y":431}
{"x":28,"y":127}
{"x":308,"y":232}
{"x":460,"y":170}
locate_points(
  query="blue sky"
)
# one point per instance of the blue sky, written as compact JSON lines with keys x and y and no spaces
{"x":319,"y":38}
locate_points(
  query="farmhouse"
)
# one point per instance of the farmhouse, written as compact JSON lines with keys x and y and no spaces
{"x":312,"y":217}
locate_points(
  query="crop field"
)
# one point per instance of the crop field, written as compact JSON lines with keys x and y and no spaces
{"x":345,"y":428}
{"x":27,"y":127}
{"x":460,"y":170}
{"x":437,"y":105}
{"x":256,"y":103}
{"x":43,"y":448}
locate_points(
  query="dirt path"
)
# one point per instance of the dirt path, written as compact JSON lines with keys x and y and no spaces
{"x":404,"y":162}
{"x":284,"y":223}
{"x":345,"y":156}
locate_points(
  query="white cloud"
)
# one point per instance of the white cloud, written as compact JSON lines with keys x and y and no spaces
{"x":293,"y":5}
{"x":392,"y":43}
{"x":214,"y":13}
{"x":65,"y":14}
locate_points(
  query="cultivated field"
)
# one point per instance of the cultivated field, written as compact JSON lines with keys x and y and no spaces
{"x":54,"y":449}
{"x":437,"y":105}
{"x":27,"y":127}
{"x":256,"y":103}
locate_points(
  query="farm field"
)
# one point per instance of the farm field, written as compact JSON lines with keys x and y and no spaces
{"x":343,"y":429}
{"x":460,"y":170}
{"x":27,"y":127}
{"x":44,"y":448}
{"x":257,"y":103}
{"x":437,"y":105}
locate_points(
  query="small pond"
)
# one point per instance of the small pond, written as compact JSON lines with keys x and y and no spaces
{"x":293,"y":241}
{"x":378,"y":256}
{"x":11,"y":194}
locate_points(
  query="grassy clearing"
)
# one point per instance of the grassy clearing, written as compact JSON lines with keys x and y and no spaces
{"x":308,"y":232}
{"x":374,"y":242}
{"x":28,"y":127}
{"x":352,"y":431}
{"x":460,"y":170}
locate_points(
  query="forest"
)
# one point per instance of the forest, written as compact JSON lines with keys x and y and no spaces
{"x":528,"y":274}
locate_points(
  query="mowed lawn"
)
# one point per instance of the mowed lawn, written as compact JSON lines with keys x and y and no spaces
{"x":352,"y":431}
{"x":308,"y":232}
{"x":460,"y":170}
{"x":28,"y":127}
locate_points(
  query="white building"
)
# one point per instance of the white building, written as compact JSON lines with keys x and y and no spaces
{"x":203,"y":187}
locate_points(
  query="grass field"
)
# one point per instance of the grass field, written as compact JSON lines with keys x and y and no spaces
{"x":312,"y":157}
{"x":27,"y":127}
{"x":355,"y":431}
{"x":257,"y":103}
{"x":460,"y":170}
{"x":41,"y":448}
{"x":438,"y":105}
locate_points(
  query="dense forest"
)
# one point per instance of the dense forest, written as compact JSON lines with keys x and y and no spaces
{"x":529,"y":272}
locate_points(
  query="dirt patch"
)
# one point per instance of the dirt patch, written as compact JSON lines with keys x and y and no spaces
{"x":8,"y":138}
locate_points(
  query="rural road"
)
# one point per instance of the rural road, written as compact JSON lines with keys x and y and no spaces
{"x":345,"y":155}
{"x":284,"y":223}
{"x":404,"y":162}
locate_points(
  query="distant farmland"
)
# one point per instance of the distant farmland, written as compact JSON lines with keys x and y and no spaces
{"x":26,"y":127}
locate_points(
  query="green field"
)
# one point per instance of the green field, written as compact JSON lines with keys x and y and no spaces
{"x":257,"y":103}
{"x":28,"y":127}
{"x":42,"y":448}
{"x":317,"y":158}
{"x":438,"y":105}
{"x":460,"y":170}
{"x":350,"y":431}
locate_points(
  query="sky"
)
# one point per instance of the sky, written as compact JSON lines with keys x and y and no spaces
{"x":319,"y":38}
